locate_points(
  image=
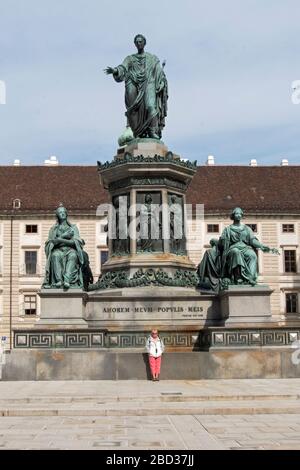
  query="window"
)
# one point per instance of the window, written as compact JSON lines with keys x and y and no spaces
{"x":253,"y":227}
{"x":212,"y":228}
{"x":103,"y":256}
{"x":290,"y":261}
{"x":30,"y":262}
{"x":288,"y":228}
{"x":31,"y":229}
{"x":103,"y":226}
{"x":291,"y":302}
{"x":30,"y":304}
{"x":16,"y":204}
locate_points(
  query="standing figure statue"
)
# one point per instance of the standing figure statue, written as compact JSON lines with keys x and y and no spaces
{"x":232,"y":258}
{"x":149,"y":226}
{"x":146,"y":91}
{"x":120,"y":242}
{"x":64,"y":254}
{"x":177,"y":240}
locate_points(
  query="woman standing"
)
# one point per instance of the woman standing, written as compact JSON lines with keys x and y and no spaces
{"x":155,"y":347}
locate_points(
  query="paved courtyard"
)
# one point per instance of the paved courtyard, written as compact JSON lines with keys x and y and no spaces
{"x":223,"y":414}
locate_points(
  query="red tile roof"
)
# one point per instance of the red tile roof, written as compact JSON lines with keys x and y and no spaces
{"x":263,"y":189}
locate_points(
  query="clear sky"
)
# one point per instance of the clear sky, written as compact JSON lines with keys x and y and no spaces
{"x":230,"y":66}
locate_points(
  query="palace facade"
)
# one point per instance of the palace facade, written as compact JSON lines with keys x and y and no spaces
{"x":29,"y":195}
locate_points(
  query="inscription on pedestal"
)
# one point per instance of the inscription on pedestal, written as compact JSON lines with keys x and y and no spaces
{"x":163,"y":310}
{"x":186,"y":311}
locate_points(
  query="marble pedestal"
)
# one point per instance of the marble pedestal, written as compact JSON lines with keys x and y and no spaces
{"x":137,"y":308}
{"x":148,"y":307}
{"x":61,"y":308}
{"x":246,"y":304}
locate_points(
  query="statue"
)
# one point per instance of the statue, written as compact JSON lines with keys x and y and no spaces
{"x":87,"y":274}
{"x":64,"y":254}
{"x":232,"y":259}
{"x":209,"y":270}
{"x":149,"y":225}
{"x":177,"y":239}
{"x":146,"y":91}
{"x":120,"y":243}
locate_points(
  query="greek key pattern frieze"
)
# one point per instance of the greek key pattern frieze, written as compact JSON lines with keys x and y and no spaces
{"x":174,"y":340}
{"x":254,"y":337}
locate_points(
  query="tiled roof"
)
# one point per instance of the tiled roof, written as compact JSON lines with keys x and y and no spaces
{"x":264,"y":189}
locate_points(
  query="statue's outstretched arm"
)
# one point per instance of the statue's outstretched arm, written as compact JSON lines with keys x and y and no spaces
{"x":266,"y":249}
{"x":110,"y":70}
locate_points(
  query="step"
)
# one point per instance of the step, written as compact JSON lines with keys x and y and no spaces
{"x":163,"y":397}
{"x":140,"y":408}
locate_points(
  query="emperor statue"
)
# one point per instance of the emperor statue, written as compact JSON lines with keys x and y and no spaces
{"x":146,"y":91}
{"x":232,"y":259}
{"x":65,"y":255}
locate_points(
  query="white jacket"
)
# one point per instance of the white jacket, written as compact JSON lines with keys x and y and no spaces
{"x":155,"y":348}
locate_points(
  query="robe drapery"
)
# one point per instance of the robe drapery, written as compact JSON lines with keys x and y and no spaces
{"x":64,"y":262}
{"x":209,"y":270}
{"x":146,"y":93}
{"x":237,"y":244}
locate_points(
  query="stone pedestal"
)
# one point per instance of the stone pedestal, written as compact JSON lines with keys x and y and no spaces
{"x":145,"y":168}
{"x":245,"y":304}
{"x":148,"y":307}
{"x":168,"y":262}
{"x":146,"y":146}
{"x":61,"y":308}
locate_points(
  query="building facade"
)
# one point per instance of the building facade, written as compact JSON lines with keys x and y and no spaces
{"x":270,"y":197}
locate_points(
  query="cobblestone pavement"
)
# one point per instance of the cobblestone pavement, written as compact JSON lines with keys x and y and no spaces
{"x":31,"y":426}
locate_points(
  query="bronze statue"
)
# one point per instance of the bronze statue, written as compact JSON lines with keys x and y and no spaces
{"x":64,"y":254}
{"x":209,"y":270}
{"x":232,"y":258}
{"x":87,"y":274}
{"x":121,"y":245}
{"x":177,"y":237}
{"x":146,"y":91}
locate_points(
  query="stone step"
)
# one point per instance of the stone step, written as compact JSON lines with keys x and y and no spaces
{"x":163,"y":397}
{"x":140,"y":408}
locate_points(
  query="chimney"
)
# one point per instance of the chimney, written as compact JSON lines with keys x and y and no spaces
{"x":17,"y":162}
{"x":284,"y":162}
{"x":52,"y":161}
{"x":253,"y":162}
{"x":210,"y":160}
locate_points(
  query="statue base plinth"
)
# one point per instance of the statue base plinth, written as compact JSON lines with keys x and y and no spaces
{"x":147,"y":147}
{"x":61,"y":308}
{"x":168,"y":262}
{"x":146,"y":307}
{"x":246,"y":304}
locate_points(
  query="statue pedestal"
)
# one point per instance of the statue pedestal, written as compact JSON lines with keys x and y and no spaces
{"x":146,"y":146}
{"x":143,"y":308}
{"x":61,"y":308}
{"x":246,"y":304}
{"x":168,"y":262}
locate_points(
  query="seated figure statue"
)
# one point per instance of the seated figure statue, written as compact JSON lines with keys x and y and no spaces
{"x":64,"y":254}
{"x":234,"y":259}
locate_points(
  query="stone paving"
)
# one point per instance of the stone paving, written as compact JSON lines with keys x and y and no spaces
{"x":168,"y":430}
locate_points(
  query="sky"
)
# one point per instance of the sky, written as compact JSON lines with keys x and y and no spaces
{"x":230,"y":67}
